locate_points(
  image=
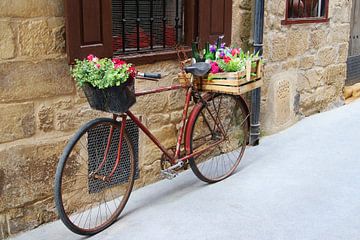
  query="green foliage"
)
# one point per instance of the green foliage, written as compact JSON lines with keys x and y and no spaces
{"x":101,"y":73}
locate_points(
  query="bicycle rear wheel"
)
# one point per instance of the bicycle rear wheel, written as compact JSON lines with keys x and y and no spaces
{"x":87,"y":202}
{"x":222,"y":121}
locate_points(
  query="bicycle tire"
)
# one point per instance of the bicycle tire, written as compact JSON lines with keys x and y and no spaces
{"x":72,"y":179}
{"x":218,"y":162}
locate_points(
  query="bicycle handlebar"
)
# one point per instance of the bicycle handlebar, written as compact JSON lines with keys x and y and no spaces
{"x":149,"y":75}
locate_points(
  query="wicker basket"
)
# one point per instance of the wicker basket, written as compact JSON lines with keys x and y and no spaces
{"x":230,"y":82}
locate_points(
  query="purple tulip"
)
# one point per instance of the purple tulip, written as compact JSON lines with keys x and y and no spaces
{"x":213,"y":48}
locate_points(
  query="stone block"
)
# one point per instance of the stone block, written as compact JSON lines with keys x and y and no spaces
{"x":30,"y":80}
{"x":7,"y":41}
{"x":343,"y":53}
{"x":167,"y":135}
{"x":31,"y":8}
{"x":277,"y":7}
{"x":153,"y":103}
{"x":326,"y":56}
{"x":150,"y":173}
{"x":241,"y":27}
{"x":340,"y":33}
{"x":297,"y":42}
{"x":307,"y":62}
{"x":176,"y":100}
{"x":318,"y":38}
{"x":16,"y":121}
{"x":335,"y":74}
{"x":35,"y":38}
{"x":290,"y":64}
{"x":71,"y":119}
{"x":340,"y":14}
{"x":27,"y":217}
{"x":281,"y":102}
{"x":308,"y":104}
{"x":155,"y":121}
{"x":315,"y":78}
{"x":244,"y":4}
{"x":175,"y":117}
{"x":29,"y":170}
{"x":278,"y":47}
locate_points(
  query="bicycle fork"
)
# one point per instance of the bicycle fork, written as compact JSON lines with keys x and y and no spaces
{"x":107,"y":178}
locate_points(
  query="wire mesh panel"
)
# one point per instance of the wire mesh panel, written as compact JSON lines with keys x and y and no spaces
{"x":96,"y":148}
{"x":141,"y":25}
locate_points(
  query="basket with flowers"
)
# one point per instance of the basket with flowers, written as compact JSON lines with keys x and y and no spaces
{"x":232,"y":70}
{"x":108,"y":84}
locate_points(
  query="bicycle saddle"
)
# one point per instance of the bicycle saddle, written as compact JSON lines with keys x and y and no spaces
{"x":199,"y":69}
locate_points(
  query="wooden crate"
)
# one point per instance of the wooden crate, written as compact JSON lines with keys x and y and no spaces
{"x":230,"y":82}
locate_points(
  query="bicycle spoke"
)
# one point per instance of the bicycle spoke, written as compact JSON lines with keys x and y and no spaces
{"x":228,"y":130}
{"x":90,"y":204}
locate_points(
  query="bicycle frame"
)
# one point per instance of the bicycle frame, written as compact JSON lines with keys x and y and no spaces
{"x":176,"y":157}
{"x":185,"y":121}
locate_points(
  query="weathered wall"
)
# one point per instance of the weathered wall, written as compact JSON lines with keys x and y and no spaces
{"x":306,"y":65}
{"x":41,"y":108}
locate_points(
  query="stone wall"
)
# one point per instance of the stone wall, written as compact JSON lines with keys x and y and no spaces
{"x":41,"y":108}
{"x":306,"y":65}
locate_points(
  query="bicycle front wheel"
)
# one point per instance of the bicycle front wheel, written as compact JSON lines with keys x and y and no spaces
{"x":86,"y":198}
{"x":221,"y":126}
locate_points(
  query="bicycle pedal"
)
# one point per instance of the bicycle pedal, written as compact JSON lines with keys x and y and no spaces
{"x":168,"y":174}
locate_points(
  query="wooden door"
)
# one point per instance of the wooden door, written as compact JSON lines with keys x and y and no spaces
{"x":353,"y":63}
{"x":215,"y":19}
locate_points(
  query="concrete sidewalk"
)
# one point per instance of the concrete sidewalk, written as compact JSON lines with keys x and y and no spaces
{"x":303,"y":183}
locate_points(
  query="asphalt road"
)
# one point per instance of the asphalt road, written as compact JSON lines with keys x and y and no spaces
{"x":302,"y":183}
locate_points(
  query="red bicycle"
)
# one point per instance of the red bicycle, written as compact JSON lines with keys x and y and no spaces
{"x":96,"y":172}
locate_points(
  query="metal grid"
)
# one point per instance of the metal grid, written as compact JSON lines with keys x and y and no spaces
{"x":353,"y":70}
{"x":97,"y":141}
{"x":143,"y":25}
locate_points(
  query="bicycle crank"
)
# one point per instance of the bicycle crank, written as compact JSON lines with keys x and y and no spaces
{"x":171,"y":172}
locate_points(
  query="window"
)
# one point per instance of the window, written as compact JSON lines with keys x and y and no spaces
{"x":306,"y":11}
{"x":146,"y":25}
{"x":142,"y":31}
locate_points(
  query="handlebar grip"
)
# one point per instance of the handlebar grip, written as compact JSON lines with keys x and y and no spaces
{"x":152,"y":75}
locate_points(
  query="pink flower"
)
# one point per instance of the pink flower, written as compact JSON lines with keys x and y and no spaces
{"x":90,"y":58}
{"x":132,"y":71}
{"x":227,"y":59}
{"x":214,"y":67}
{"x":118,"y":61}
{"x":235,"y":51}
{"x":98,"y":66}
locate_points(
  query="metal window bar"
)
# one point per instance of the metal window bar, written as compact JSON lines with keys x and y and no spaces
{"x":164,"y":22}
{"x":123,"y":26}
{"x":145,"y":25}
{"x":177,"y":21}
{"x":306,"y":8}
{"x":151,"y":24}
{"x":137,"y":26}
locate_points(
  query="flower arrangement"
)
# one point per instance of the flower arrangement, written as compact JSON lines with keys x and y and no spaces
{"x":102,"y":73}
{"x":226,"y":59}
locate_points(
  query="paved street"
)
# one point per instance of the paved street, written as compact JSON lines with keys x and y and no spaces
{"x":303,"y":183}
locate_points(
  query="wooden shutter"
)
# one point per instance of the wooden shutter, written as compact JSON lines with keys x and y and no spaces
{"x":88,"y":28}
{"x":215,"y":18}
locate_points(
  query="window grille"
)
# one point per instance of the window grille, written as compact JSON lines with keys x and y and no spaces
{"x":146,"y":25}
{"x":306,"y":8}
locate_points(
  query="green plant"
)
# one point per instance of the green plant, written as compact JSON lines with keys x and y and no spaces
{"x":102,"y":73}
